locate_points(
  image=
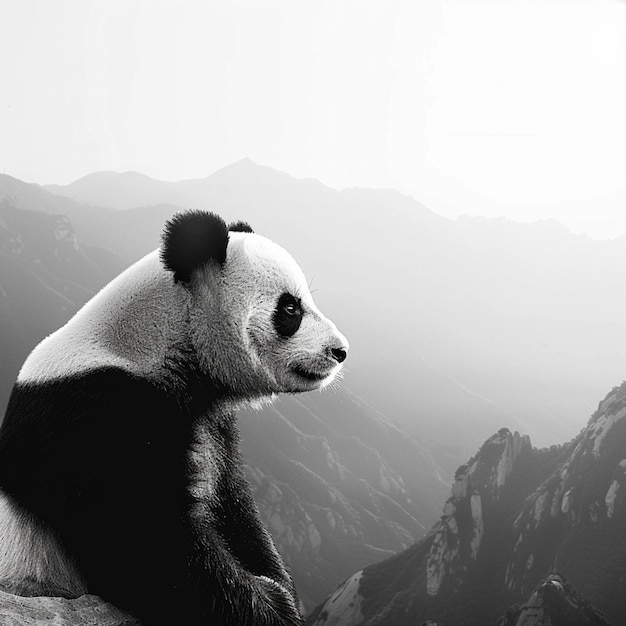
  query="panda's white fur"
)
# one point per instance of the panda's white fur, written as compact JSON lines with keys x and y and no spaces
{"x":112,"y":328}
{"x":141,"y":323}
{"x":31,"y":558}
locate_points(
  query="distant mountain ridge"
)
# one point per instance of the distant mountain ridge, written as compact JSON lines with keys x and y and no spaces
{"x":129,"y":190}
{"x":516,"y":516}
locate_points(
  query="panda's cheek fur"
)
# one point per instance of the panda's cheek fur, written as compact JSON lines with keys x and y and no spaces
{"x":274,"y":355}
{"x":263,"y":353}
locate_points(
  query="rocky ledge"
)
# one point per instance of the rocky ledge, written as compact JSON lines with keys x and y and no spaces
{"x":87,"y":610}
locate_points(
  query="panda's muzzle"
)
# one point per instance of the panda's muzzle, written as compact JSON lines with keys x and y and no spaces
{"x":322,"y":367}
{"x":309,"y":374}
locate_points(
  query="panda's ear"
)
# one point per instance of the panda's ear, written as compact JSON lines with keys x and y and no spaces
{"x":191,"y":239}
{"x":240,"y":227}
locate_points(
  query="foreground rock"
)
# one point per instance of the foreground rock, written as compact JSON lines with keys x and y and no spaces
{"x":86,"y":610}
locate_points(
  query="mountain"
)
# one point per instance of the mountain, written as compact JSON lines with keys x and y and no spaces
{"x":575,"y":521}
{"x":35,"y":198}
{"x":487,"y":322}
{"x":129,"y":190}
{"x":516,"y":515}
{"x":554,"y":603}
{"x":446,"y":576}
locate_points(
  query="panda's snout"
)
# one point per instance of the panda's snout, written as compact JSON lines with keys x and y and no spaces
{"x":339,"y":354}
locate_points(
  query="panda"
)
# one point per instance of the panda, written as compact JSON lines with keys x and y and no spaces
{"x":120,"y":472}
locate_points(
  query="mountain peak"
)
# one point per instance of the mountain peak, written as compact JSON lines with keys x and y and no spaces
{"x":459,"y":533}
{"x":248,"y":171}
{"x":554,"y":601}
{"x":441,"y":563}
{"x":105,"y":177}
{"x":586,"y":490}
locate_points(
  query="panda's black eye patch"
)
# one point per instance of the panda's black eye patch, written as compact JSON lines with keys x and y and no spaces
{"x":288,"y":315}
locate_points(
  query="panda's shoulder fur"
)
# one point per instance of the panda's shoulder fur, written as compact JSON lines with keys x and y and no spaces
{"x":110,"y":330}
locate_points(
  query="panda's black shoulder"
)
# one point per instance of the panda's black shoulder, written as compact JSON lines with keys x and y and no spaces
{"x":68,"y":401}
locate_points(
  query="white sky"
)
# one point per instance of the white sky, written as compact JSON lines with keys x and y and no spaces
{"x":509,"y":107}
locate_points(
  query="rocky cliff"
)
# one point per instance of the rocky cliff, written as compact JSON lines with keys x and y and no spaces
{"x":457,"y":537}
{"x":88,"y":610}
{"x":417,"y":584}
{"x":515,"y":516}
{"x":554,"y":603}
{"x":575,"y":522}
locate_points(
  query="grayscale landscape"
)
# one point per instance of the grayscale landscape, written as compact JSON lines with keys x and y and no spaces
{"x":456,"y":202}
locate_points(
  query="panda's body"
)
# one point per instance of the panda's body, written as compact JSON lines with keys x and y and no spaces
{"x":120,"y":472}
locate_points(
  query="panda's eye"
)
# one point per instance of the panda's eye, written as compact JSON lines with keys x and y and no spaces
{"x":287,"y":315}
{"x":291,"y":308}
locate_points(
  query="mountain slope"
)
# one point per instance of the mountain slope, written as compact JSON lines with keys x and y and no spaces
{"x":338,"y":485}
{"x":516,"y":515}
{"x":35,"y":198}
{"x":450,"y":560}
{"x":575,"y":522}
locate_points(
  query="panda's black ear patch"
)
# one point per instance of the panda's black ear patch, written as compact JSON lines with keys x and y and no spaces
{"x":190,"y":239}
{"x":240,"y":227}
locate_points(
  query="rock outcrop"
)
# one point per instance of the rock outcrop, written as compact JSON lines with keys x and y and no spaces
{"x":582,"y":501}
{"x":458,"y":535}
{"x":515,"y":517}
{"x":554,"y":603}
{"x":442,"y":563}
{"x":344,"y":605}
{"x":87,"y":610}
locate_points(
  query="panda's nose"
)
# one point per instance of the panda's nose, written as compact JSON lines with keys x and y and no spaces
{"x":339,"y":354}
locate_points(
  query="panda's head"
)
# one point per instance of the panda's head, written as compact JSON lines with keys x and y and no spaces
{"x":253,"y":323}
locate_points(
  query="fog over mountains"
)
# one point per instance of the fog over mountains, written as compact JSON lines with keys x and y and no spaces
{"x":458,"y":328}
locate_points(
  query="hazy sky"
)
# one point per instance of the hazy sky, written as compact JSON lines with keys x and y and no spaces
{"x":509,"y":107}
